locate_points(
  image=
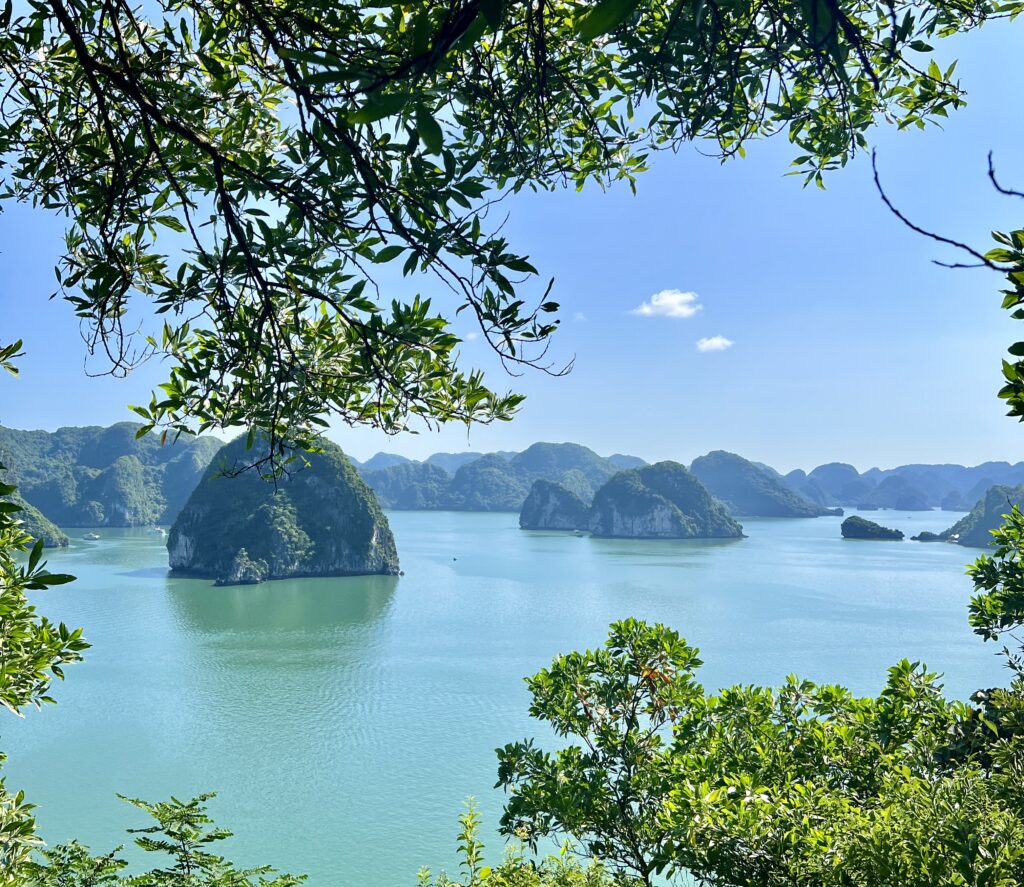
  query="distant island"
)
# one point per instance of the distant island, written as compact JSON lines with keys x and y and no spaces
{"x":501,"y":481}
{"x":750,"y":490}
{"x":321,"y":520}
{"x":488,"y":482}
{"x":975,"y":528}
{"x":551,"y":506}
{"x":857,"y":527}
{"x":104,"y":477}
{"x":660,"y":501}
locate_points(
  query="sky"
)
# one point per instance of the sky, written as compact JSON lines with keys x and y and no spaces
{"x":721,"y":307}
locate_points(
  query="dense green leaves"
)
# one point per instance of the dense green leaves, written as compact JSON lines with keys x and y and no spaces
{"x":33,"y":651}
{"x":1009,"y":257}
{"x":182,"y":832}
{"x":247,"y":167}
{"x":801,"y":785}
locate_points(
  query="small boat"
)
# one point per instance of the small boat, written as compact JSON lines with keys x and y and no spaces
{"x":91,"y":536}
{"x":158,"y":531}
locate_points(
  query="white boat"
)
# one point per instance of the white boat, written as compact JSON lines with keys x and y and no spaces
{"x":91,"y":536}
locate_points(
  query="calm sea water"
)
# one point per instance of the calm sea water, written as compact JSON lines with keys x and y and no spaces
{"x":344,"y":721}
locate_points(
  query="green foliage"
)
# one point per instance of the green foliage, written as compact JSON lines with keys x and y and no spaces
{"x":183,"y":832}
{"x":515,"y":870}
{"x":33,"y":651}
{"x":1009,"y":256}
{"x":320,"y":519}
{"x":802,"y":785}
{"x":997,"y":610}
{"x":73,"y":865}
{"x":35,"y":524}
{"x":249,"y":168}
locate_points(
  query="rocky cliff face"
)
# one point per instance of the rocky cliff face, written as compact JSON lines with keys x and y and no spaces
{"x":551,"y":506}
{"x":661,"y":501}
{"x":322,"y":520}
{"x":244,"y":571}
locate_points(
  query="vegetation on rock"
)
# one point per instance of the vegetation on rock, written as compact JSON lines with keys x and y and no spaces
{"x":94,"y":476}
{"x":33,"y":522}
{"x":492,"y":482}
{"x":748,"y":490}
{"x":551,"y":506}
{"x":660,"y":501}
{"x":976,"y":527}
{"x":857,"y":527}
{"x":411,"y":485}
{"x":319,"y":520}
{"x":245,"y":571}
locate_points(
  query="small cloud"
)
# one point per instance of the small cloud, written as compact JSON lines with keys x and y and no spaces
{"x":714,"y":343}
{"x":579,"y":317}
{"x":469,"y":337}
{"x":669,"y":303}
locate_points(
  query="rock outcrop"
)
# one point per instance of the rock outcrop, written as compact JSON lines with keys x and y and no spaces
{"x":322,"y":520}
{"x":245,"y":571}
{"x":661,"y":501}
{"x":856,"y":527}
{"x":748,"y":490}
{"x":551,"y":506}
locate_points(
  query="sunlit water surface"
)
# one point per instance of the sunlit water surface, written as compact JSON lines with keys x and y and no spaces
{"x":344,"y":721}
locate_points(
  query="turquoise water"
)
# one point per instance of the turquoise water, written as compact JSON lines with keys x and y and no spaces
{"x":344,"y":721}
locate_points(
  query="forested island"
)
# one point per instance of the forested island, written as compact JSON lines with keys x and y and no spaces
{"x":98,"y":477}
{"x":660,"y":501}
{"x":105,"y":477}
{"x":320,"y":520}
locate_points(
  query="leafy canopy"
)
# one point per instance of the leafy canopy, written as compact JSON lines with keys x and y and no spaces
{"x":805,"y":784}
{"x":254,"y":169}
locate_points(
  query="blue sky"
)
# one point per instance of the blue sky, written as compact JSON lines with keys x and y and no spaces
{"x":847,"y":343}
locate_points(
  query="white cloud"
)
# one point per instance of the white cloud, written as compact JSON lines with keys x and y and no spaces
{"x":469,"y":337}
{"x":714,"y":343}
{"x":579,"y":317}
{"x":669,"y":303}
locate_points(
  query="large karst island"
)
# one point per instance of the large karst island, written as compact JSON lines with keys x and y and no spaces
{"x":751,"y":490}
{"x":660,"y":501}
{"x":320,"y":520}
{"x":96,"y":477}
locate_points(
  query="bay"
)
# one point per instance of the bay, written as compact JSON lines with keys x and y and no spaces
{"x":343,"y":722}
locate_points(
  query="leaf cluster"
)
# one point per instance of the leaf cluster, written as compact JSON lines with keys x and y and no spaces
{"x":804,"y":784}
{"x":261,"y":173}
